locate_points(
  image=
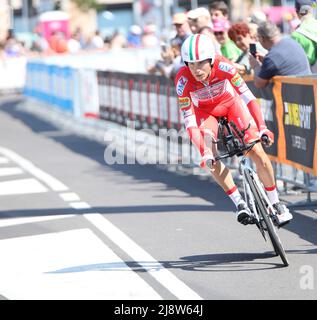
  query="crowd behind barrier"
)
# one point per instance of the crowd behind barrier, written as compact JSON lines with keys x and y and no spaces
{"x":288,"y":105}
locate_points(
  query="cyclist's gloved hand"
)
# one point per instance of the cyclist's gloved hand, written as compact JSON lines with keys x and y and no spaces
{"x":208,"y":160}
{"x":267,"y":136}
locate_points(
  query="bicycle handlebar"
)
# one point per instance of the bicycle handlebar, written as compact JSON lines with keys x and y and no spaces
{"x":233,"y":145}
{"x":239,"y":150}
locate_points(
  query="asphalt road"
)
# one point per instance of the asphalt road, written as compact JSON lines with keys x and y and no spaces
{"x":73,"y":227}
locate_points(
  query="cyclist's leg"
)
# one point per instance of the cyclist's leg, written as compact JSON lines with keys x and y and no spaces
{"x":242,"y":118}
{"x":263,"y":165}
{"x":223,"y":176}
{"x":266,"y":174}
{"x":220,"y":172}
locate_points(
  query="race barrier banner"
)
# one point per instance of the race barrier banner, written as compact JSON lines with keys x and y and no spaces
{"x":297,"y":118}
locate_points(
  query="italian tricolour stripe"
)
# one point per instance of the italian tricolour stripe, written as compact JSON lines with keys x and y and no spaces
{"x":193,"y":47}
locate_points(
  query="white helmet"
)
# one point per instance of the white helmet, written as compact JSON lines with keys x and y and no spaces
{"x":198,"y":47}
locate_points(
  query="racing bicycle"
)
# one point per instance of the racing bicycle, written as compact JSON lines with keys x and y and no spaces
{"x":255,"y":196}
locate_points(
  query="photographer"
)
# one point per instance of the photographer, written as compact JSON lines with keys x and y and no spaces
{"x":242,"y":36}
{"x":278,"y":61}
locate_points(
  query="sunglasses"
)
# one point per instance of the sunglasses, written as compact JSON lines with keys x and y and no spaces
{"x":218,"y":33}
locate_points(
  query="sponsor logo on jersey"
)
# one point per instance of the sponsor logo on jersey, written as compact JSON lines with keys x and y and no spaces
{"x":237,"y":80}
{"x":181,"y":83}
{"x":184,"y":102}
{"x":226,"y":67}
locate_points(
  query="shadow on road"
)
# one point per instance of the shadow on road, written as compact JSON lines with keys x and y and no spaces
{"x":222,"y":262}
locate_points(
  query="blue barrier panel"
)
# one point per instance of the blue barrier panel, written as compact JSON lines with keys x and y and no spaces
{"x":67,"y":82}
{"x":35,"y":92}
{"x":27,"y":87}
{"x":52,"y":84}
{"x":50,"y":71}
{"x":55,"y":92}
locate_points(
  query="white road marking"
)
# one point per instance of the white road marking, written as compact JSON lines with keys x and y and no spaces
{"x":15,"y":221}
{"x":70,"y":265}
{"x":50,"y":181}
{"x":69,"y":196}
{"x":21,"y":186}
{"x":3,"y":160}
{"x":10,"y":171}
{"x":80,"y":205}
{"x":178,"y":288}
{"x":155,"y":269}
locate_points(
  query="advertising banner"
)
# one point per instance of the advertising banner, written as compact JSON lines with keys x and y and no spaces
{"x":299,"y":121}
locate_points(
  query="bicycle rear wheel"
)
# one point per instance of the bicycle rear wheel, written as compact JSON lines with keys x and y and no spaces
{"x":270,"y":229}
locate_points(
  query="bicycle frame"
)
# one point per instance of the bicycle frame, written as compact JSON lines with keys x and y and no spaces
{"x":248,"y":194}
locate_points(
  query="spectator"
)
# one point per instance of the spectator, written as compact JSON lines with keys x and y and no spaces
{"x":13,"y":47}
{"x":210,"y":33}
{"x":97,"y":41}
{"x":306,"y":33}
{"x":118,"y":40}
{"x":278,"y":61}
{"x":134,"y":36}
{"x":227,"y":46}
{"x":73,"y":44}
{"x":58,"y":42}
{"x":218,"y":10}
{"x":293,"y":21}
{"x":149,"y":38}
{"x":80,"y":37}
{"x":39,"y":43}
{"x":199,"y":18}
{"x":241,"y":35}
{"x":253,"y":28}
{"x":107,"y":42}
{"x":171,"y":60}
{"x":181,"y":25}
{"x":254,"y":20}
{"x":257,"y":17}
{"x":177,"y":63}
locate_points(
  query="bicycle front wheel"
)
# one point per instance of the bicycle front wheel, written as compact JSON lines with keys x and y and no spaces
{"x":263,"y":212}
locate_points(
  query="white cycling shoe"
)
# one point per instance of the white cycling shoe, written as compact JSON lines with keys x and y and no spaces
{"x":244,"y":215}
{"x":283,"y":216}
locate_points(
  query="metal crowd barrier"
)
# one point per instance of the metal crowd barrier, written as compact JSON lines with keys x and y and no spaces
{"x":150,"y":101}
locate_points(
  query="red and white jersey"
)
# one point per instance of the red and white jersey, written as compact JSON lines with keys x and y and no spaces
{"x":189,"y":90}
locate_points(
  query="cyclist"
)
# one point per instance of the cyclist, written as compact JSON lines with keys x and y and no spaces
{"x":202,"y":69}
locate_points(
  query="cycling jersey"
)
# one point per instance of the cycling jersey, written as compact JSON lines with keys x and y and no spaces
{"x":200,"y":113}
